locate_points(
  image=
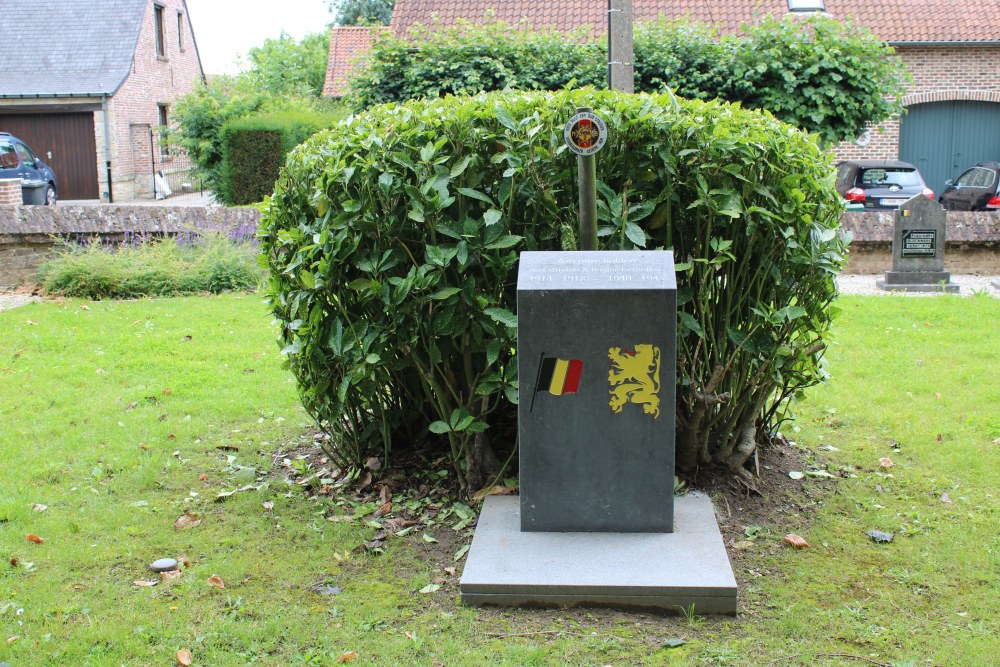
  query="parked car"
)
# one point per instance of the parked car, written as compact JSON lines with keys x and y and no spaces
{"x":977,"y":189}
{"x":879,"y":185}
{"x":38,"y":181}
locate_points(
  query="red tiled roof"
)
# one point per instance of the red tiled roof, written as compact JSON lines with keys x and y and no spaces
{"x":895,"y":21}
{"x":348,"y":44}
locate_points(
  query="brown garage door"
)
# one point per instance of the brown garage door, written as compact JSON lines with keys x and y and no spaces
{"x":66,"y":142}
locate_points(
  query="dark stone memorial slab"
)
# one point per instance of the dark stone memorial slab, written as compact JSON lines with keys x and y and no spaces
{"x":596,"y":366}
{"x":918,"y":249}
{"x":596,"y":522}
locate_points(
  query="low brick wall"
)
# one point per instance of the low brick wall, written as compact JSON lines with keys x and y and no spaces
{"x":28,"y":233}
{"x":972,"y":242}
{"x":10,"y":191}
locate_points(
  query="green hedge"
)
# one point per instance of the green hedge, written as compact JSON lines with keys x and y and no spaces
{"x":393,"y":243}
{"x":254,"y":150}
{"x":822,"y":75}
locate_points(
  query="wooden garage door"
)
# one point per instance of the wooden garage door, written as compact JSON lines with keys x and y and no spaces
{"x":945,"y":138}
{"x":65,"y":141}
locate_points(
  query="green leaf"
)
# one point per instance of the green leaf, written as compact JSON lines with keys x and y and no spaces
{"x":635,"y":234}
{"x":461,"y":166}
{"x":308,"y":279}
{"x":688,"y":322}
{"x":439,"y":427}
{"x":475,"y":194}
{"x":503,"y":316}
{"x":492,"y":351}
{"x":505,"y":118}
{"x":504,"y":242}
{"x":491,"y":217}
{"x":442,"y":294}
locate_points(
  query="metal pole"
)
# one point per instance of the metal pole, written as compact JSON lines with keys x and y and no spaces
{"x":152,"y":161}
{"x":587,"y":168}
{"x":621,"y":73}
{"x":107,"y":148}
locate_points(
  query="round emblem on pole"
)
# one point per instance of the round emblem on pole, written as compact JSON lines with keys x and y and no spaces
{"x":585,"y":133}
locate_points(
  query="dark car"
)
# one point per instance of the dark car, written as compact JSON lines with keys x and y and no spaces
{"x":38,"y":181}
{"x":977,"y":189}
{"x":879,"y":185}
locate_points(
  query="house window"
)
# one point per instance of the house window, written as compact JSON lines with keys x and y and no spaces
{"x":180,"y":31}
{"x":164,"y":129}
{"x":807,"y":5}
{"x":158,"y":31}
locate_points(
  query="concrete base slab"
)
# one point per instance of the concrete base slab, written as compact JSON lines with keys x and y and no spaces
{"x":665,"y":571}
{"x":996,"y":284}
{"x":946,"y":288}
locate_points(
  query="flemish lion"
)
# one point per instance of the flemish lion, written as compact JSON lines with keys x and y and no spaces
{"x":635,"y":378}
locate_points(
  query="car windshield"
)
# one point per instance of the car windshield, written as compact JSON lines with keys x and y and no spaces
{"x":888,"y":176}
{"x":977,"y":177}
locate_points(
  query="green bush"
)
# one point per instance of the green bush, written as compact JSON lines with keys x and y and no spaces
{"x":822,"y":75}
{"x":393,"y":244}
{"x":210,"y":262}
{"x":254,"y":149}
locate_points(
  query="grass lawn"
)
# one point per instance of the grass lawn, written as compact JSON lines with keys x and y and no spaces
{"x":120,"y":417}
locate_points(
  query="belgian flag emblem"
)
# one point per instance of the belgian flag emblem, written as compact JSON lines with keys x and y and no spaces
{"x":559,"y":376}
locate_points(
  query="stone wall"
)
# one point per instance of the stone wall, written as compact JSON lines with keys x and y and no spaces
{"x":29,"y":233}
{"x":972,"y":242}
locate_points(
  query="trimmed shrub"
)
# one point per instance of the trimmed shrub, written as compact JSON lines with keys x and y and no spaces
{"x":393,"y":245}
{"x":254,"y":149}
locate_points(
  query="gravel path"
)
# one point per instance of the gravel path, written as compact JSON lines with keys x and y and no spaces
{"x":865,"y":285}
{"x":9,"y":301}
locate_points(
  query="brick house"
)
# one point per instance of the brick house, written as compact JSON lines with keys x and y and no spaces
{"x":952,"y":50}
{"x":88,"y":85}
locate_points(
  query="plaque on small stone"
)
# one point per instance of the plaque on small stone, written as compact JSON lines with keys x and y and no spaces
{"x":918,"y":249}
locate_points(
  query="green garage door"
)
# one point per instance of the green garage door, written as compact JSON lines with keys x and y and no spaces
{"x":945,"y":138}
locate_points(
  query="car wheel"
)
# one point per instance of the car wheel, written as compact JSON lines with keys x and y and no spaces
{"x":50,"y":195}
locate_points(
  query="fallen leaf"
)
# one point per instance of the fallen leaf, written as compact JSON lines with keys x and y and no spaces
{"x":430,"y":588}
{"x":450,"y":570}
{"x":495,"y":490}
{"x":145,"y":582}
{"x":167,"y":391}
{"x":187,"y":520}
{"x":409,"y":635}
{"x":216,"y":581}
{"x":268,"y":505}
{"x":939,"y":438}
{"x":185,"y":562}
{"x":171,"y":437}
{"x":348,"y":656}
{"x":373,"y":464}
{"x":397,"y":523}
{"x":14,"y":562}
{"x":742,"y":545}
{"x":430,"y":539}
{"x":31,"y":537}
{"x":131,"y":406}
{"x":945,"y":498}
{"x":184,"y":658}
{"x":796,"y":474}
{"x":170,"y":575}
{"x":11,"y":640}
{"x":997,"y":441}
{"x":673,"y":643}
{"x":38,"y":507}
{"x":885,"y":462}
{"x":203,"y":477}
{"x":796,"y":541}
{"x":824,"y":474}
{"x":340,"y":518}
{"x":84,"y":306}
{"x":364,"y":480}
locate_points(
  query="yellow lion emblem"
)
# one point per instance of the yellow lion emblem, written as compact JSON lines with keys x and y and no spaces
{"x":635,"y":378}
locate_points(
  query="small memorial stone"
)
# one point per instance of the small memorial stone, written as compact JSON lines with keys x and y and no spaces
{"x":163,"y":565}
{"x":918,"y":249}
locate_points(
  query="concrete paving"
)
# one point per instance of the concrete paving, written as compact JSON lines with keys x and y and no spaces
{"x":664,"y":571}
